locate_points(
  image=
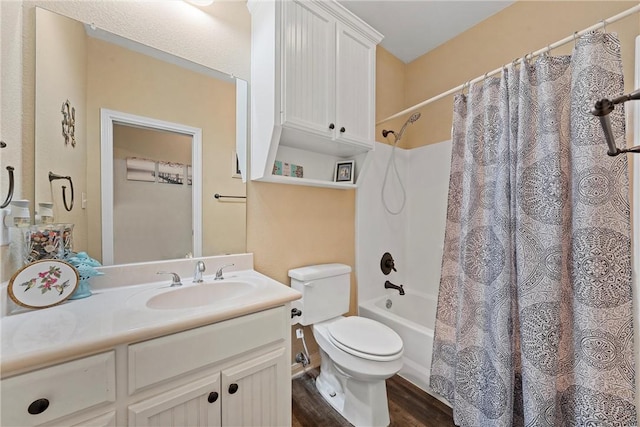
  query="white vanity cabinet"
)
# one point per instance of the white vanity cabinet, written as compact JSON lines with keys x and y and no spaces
{"x":313,"y":88}
{"x":232,"y":373}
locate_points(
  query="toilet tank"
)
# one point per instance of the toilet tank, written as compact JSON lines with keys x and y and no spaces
{"x":325,"y":290}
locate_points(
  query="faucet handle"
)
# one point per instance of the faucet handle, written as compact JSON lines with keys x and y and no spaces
{"x":200,"y":268}
{"x":175,"y":279}
{"x":387,"y":263}
{"x":219,"y":272}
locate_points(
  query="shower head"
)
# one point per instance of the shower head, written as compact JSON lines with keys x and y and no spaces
{"x":414,"y":117}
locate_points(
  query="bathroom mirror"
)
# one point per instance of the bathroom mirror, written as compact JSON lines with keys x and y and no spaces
{"x":81,"y":72}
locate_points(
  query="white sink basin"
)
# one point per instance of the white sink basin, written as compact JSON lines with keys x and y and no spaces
{"x":201,"y":294}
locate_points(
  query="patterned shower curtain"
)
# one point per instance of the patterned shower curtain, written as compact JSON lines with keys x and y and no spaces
{"x":534,"y":321}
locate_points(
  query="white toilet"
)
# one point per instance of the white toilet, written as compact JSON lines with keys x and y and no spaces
{"x":358,"y":354}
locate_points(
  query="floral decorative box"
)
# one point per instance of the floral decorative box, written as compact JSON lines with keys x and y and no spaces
{"x":287,"y":169}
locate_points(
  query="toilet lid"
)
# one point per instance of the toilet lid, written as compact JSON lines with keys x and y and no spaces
{"x":365,"y":338}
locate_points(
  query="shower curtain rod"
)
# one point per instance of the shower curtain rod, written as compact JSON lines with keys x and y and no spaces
{"x":550,"y":47}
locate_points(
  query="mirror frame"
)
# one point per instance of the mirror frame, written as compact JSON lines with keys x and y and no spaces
{"x":107,"y":119}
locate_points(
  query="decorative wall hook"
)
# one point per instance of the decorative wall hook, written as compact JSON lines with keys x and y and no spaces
{"x":52,"y":177}
{"x":68,"y":123}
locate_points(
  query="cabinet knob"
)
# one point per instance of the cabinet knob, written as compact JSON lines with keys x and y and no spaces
{"x":342,"y":129}
{"x":332,"y":126}
{"x":38,"y":406}
{"x":233,"y":388}
{"x":213,"y":396}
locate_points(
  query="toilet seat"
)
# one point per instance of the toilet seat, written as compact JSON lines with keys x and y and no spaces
{"x":365,"y":338}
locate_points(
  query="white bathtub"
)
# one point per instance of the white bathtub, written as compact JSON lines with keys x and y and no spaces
{"x":412,"y":316}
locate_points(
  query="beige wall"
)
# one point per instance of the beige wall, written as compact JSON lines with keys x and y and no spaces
{"x":61,"y":67}
{"x":390,"y":92}
{"x":126,"y":81}
{"x":521,"y":28}
{"x":149,"y":217}
{"x":290,"y":226}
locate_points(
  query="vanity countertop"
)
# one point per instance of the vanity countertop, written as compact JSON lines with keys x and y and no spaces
{"x":119,"y":315}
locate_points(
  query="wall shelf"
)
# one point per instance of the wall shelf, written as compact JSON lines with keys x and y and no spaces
{"x":279,"y":179}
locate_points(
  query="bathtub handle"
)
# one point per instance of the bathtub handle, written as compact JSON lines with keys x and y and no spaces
{"x":387,"y":264}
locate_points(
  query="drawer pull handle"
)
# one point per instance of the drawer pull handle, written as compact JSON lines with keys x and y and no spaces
{"x":233,"y":388}
{"x":331,"y":126}
{"x":213,"y":396}
{"x":342,"y":130}
{"x":38,"y":406}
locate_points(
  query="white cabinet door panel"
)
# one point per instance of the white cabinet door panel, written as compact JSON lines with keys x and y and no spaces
{"x":308,"y":56}
{"x":355,"y":70}
{"x":256,"y":398}
{"x":188,"y":405}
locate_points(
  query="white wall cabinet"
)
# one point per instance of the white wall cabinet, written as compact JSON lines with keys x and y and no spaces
{"x":206,"y":376}
{"x":313,"y":89}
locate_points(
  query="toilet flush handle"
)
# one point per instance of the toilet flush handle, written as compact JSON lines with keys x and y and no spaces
{"x":310,"y":284}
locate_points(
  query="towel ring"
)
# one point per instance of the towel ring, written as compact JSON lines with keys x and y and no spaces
{"x":10,"y":170}
{"x":7,"y":200}
{"x":52,"y":177}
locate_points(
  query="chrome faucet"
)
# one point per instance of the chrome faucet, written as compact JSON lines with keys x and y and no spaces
{"x":197,"y":274}
{"x":389,"y":285}
{"x":175,"y":279}
{"x":219,"y":272}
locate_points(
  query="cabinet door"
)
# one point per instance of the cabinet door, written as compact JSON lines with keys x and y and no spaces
{"x":355,"y":87}
{"x":105,"y":420}
{"x":195,"y":404}
{"x":257,"y":392}
{"x":308,"y":58}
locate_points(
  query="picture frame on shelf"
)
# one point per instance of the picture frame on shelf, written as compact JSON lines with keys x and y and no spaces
{"x":344,"y":171}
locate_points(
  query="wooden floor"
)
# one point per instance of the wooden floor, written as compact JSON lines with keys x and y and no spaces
{"x":409,"y":406}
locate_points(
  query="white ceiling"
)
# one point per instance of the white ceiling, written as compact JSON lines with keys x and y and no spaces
{"x":411,"y":28}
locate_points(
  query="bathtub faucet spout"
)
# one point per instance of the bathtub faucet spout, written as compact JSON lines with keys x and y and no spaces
{"x":389,"y":285}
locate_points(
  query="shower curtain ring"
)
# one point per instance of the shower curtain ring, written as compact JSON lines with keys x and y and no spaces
{"x":464,"y":85}
{"x":530,"y":55}
{"x":604,"y":26}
